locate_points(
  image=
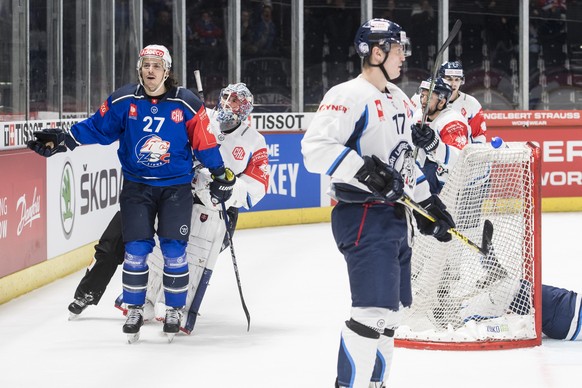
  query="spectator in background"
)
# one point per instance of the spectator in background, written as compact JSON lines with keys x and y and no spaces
{"x":265,"y":33}
{"x":340,"y":26}
{"x":207,"y":31}
{"x":246,"y":31}
{"x":161,"y":31}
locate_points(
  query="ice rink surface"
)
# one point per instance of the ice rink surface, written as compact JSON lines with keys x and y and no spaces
{"x":295,"y":286}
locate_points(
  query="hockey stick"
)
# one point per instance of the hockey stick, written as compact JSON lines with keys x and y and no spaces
{"x":446,"y":44}
{"x":487,"y":230}
{"x":234,"y":264}
{"x":228,"y":232}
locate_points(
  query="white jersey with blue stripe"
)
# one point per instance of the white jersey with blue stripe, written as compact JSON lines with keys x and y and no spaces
{"x":355,"y":119}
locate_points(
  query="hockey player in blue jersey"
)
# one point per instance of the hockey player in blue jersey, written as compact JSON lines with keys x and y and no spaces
{"x":361,"y":138}
{"x":245,"y":151}
{"x":159,"y":126}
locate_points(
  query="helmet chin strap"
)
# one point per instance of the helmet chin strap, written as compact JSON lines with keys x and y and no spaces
{"x":381,"y":66}
{"x":166,"y":75}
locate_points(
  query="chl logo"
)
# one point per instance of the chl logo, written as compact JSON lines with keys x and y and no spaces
{"x":177,"y":116}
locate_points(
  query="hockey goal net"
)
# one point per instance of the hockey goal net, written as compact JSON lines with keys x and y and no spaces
{"x":462,"y":299}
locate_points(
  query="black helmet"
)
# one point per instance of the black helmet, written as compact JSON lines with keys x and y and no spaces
{"x":443,"y":89}
{"x":381,"y":32}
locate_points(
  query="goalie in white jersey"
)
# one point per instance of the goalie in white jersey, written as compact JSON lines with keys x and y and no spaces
{"x":361,"y":137}
{"x":244,"y":151}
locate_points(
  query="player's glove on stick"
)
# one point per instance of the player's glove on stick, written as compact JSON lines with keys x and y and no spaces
{"x":424,"y":137}
{"x":50,"y":141}
{"x":221,"y":186}
{"x":444,"y":221}
{"x":380,"y":178}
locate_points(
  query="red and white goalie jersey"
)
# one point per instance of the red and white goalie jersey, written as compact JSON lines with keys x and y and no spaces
{"x":244,"y":151}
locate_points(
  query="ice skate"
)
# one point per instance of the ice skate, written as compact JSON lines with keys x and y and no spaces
{"x":133,"y":323}
{"x":172,"y":322}
{"x":79,"y":305}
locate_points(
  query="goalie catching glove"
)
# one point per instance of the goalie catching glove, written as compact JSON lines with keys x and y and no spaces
{"x":424,"y":137}
{"x":439,"y":229}
{"x":380,"y":178}
{"x":221,"y":186}
{"x":50,"y":141}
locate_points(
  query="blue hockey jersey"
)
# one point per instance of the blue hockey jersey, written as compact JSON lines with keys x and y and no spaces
{"x":156,"y":136}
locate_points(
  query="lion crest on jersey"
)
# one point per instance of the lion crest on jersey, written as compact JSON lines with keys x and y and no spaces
{"x":152,"y":151}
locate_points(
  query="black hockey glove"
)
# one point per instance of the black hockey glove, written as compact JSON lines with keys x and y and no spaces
{"x":50,"y":141}
{"x":221,"y":186}
{"x":380,"y":178}
{"x":424,"y":137}
{"x":444,"y":221}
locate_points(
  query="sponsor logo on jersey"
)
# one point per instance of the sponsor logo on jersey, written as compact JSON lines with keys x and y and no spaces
{"x":133,"y":111}
{"x":103,"y":108}
{"x":464,"y":112}
{"x":380,"y":110}
{"x":177,"y":116}
{"x":153,"y":151}
{"x":238,"y":153}
{"x":203,"y":217}
{"x":183,"y":231}
{"x":338,"y":108}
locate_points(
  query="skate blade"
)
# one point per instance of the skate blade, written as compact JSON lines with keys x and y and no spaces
{"x":131,"y":338}
{"x":73,"y":316}
{"x":170,"y":337}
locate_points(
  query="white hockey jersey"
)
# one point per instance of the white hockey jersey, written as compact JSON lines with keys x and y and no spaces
{"x":355,"y":119}
{"x":453,"y":131}
{"x":470,"y":109}
{"x":244,"y":151}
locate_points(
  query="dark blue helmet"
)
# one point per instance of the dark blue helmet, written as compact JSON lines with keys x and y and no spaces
{"x":452,"y":69}
{"x":380,"y":32}
{"x":441,"y":87}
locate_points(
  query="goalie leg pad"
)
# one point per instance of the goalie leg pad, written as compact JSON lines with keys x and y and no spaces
{"x":207,"y":232}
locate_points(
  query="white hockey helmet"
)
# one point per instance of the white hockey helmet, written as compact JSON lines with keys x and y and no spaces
{"x":155,"y":51}
{"x":228,"y":116}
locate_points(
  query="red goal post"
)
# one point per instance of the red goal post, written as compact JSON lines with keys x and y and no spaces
{"x":463,"y":300}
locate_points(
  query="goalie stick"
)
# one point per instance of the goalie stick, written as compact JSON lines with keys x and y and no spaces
{"x":193,"y":310}
{"x":452,"y":34}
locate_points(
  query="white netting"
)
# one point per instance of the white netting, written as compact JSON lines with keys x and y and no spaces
{"x":458,"y":294}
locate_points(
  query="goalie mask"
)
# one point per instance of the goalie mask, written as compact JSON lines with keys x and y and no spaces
{"x":235,"y":104}
{"x":382,"y":33}
{"x":452,"y":69}
{"x":155,"y":51}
